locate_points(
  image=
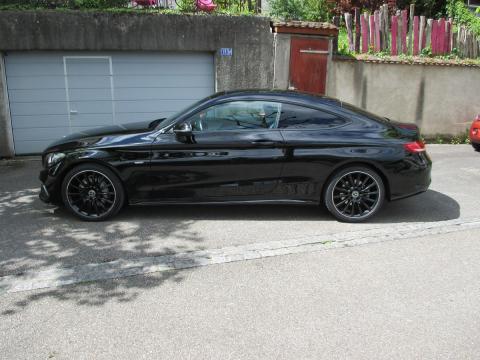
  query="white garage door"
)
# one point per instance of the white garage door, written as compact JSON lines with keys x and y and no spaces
{"x":54,"y":94}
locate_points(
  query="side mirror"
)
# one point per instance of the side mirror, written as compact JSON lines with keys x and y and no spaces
{"x":184,"y":129}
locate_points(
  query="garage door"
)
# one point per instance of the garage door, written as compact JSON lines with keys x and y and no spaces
{"x":55,"y":94}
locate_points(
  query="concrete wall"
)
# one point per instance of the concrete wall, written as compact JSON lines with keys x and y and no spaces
{"x":439,"y":99}
{"x":251,"y":38}
{"x":6,"y":137}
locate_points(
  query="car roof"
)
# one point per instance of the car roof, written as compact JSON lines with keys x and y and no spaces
{"x":285,"y":95}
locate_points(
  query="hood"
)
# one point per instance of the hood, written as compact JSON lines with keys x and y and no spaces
{"x":103,"y":135}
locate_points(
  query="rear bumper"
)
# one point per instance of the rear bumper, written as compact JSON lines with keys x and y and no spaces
{"x":412,"y":177}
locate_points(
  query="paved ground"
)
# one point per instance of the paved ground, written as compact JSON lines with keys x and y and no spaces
{"x":404,"y":285}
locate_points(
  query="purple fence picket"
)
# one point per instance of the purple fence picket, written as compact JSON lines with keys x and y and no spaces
{"x":364,"y":23}
{"x":415,"y":35}
{"x":441,"y":35}
{"x":394,"y":35}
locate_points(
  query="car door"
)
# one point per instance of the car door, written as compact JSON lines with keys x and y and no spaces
{"x":234,"y":153}
{"x":311,"y":139}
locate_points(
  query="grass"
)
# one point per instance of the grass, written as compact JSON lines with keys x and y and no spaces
{"x":449,"y":139}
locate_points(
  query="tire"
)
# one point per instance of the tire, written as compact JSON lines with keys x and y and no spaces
{"x":92,"y":192}
{"x":357,"y":202}
{"x":476,"y":146}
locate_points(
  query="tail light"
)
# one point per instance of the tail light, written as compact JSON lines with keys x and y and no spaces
{"x":415,"y":146}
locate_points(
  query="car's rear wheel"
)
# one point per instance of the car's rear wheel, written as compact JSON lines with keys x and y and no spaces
{"x":476,"y":146}
{"x":92,"y":192}
{"x":354,"y":194}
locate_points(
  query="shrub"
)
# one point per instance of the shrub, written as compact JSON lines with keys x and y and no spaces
{"x":310,"y":10}
{"x":72,"y":4}
{"x":463,"y":16}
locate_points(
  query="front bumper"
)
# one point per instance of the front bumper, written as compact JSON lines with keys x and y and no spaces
{"x":44,"y":194}
{"x":49,"y":179}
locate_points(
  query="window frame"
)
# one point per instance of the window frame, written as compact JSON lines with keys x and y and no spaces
{"x":346,"y":120}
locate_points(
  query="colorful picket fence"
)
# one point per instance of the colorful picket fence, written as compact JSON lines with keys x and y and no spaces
{"x":406,"y":33}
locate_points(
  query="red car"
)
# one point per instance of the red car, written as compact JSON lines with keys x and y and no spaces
{"x":475,"y":133}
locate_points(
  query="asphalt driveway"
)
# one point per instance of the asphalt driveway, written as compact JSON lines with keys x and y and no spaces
{"x":39,"y":239}
{"x":35,"y":235}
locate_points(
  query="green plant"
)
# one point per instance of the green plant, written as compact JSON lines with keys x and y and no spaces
{"x":438,"y":139}
{"x":426,"y":52}
{"x":186,"y":6}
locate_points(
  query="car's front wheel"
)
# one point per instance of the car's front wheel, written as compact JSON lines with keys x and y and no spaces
{"x":476,"y":146}
{"x":92,"y":192}
{"x":354,"y":194}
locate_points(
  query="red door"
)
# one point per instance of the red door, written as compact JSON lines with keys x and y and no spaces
{"x":308,"y":64}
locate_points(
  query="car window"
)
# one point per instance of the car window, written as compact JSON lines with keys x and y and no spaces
{"x":299,"y":117}
{"x":237,"y":115}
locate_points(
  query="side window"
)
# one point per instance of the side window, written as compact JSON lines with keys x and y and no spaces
{"x":299,"y":117}
{"x":237,"y":115}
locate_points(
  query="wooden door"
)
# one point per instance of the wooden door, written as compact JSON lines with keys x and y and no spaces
{"x":308,"y":64}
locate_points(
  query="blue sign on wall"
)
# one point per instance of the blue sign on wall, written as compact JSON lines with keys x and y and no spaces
{"x":226,"y":51}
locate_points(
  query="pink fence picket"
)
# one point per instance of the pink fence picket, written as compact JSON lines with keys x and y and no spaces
{"x":441,"y":35}
{"x":364,"y":23}
{"x":404,"y":30}
{"x":394,"y":35}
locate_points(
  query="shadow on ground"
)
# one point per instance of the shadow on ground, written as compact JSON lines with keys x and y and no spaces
{"x":34,"y":235}
{"x":426,"y":207}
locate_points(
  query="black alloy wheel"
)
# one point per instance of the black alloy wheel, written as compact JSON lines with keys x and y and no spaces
{"x":92,"y":192}
{"x":354,"y":194}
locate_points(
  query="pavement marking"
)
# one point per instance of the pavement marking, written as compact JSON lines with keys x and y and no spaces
{"x":56,"y":277}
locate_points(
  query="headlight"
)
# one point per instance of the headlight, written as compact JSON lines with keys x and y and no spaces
{"x":53,"y":158}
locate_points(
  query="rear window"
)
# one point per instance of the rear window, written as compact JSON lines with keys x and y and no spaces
{"x":299,"y":117}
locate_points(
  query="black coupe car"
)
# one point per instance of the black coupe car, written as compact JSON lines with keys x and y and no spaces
{"x":253,"y":146}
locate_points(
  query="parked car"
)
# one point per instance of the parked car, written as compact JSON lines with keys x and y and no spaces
{"x":475,"y":133}
{"x":253,"y":146}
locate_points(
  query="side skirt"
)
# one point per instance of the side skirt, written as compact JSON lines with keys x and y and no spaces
{"x":236,"y":202}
